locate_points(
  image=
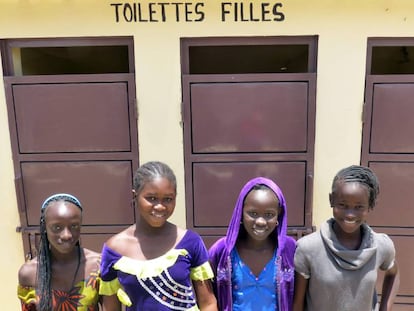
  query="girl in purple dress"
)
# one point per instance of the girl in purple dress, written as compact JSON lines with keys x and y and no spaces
{"x":153,"y":264}
{"x":253,"y":263}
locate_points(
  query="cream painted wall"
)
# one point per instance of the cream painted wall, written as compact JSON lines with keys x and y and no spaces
{"x":12,"y":246}
{"x":342,"y":26}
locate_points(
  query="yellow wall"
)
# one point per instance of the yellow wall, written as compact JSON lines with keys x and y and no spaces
{"x":12,"y":248}
{"x":342,"y":26}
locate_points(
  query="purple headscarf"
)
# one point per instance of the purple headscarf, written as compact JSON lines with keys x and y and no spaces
{"x":234,"y":226}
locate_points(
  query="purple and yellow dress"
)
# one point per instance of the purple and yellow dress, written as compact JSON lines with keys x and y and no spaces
{"x":162,"y":283}
{"x":83,"y":296}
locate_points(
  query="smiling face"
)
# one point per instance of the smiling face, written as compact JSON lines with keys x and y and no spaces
{"x":156,"y":201}
{"x":63,"y":225}
{"x":260,"y":213}
{"x":350,"y":202}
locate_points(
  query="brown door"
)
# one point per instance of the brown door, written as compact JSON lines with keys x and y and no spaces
{"x":76,"y":134}
{"x":244,"y":125}
{"x":388,"y":148}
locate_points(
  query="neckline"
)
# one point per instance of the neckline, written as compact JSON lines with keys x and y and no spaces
{"x":173,"y":249}
{"x":243,"y":266}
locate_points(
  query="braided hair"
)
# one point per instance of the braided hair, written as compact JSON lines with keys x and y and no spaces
{"x":44,"y":265}
{"x":150,"y":171}
{"x":360,"y":174}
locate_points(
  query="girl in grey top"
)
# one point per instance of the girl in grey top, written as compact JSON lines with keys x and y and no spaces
{"x":336,"y":267}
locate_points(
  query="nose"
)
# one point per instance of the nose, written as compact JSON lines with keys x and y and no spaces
{"x":350,"y":212}
{"x":159,"y":206}
{"x":66,"y":234}
{"x":260,"y":221}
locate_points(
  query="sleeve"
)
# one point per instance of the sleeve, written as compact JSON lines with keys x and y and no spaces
{"x":219,"y":258}
{"x":215,"y":252}
{"x":301,"y":260}
{"x":109,"y":283}
{"x":287,"y":263}
{"x":387,"y":250}
{"x":200,"y":267}
{"x":27,"y":297}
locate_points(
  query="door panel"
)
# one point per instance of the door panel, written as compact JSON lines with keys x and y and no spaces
{"x":109,"y":182}
{"x":72,"y":117}
{"x":394,"y":208}
{"x":249,"y":117}
{"x":392,"y":118}
{"x":214,"y":205}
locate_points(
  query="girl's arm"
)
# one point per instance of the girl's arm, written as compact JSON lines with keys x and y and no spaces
{"x":205,"y":296}
{"x":110,"y":303}
{"x":390,"y":287}
{"x":301,"y":285}
{"x":26,"y":287}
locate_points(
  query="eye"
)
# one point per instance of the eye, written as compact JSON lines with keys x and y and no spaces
{"x":252,"y":214}
{"x":56,"y":228}
{"x":151,"y":199}
{"x":75,"y":226}
{"x":269,"y":215}
{"x":360,"y":208}
{"x":340,"y":205}
{"x":168,"y":200}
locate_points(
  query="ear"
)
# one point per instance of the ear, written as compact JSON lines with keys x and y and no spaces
{"x":331,"y":199}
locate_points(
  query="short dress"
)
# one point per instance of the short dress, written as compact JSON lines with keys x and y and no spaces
{"x":83,"y":296}
{"x":162,"y":283}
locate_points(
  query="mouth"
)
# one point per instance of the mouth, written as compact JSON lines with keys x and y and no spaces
{"x":350,"y":222}
{"x":157,"y":215}
{"x":66,"y":244}
{"x":260,"y":231}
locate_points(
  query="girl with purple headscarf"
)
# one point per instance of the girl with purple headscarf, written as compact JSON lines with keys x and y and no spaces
{"x":253,"y":263}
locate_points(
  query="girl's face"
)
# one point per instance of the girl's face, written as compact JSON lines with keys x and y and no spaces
{"x":350,"y":202}
{"x":260,"y":213}
{"x":156,"y":201}
{"x":63,"y":226}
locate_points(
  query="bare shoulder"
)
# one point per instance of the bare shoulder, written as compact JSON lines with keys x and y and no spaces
{"x":92,"y":260}
{"x":27,"y":273}
{"x":122,"y":240}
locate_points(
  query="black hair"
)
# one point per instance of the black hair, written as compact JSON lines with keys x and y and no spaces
{"x":360,"y":174}
{"x":261,"y":187}
{"x":150,"y":171}
{"x":44,"y":264}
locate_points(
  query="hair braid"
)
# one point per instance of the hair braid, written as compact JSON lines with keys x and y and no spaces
{"x":44,"y":268}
